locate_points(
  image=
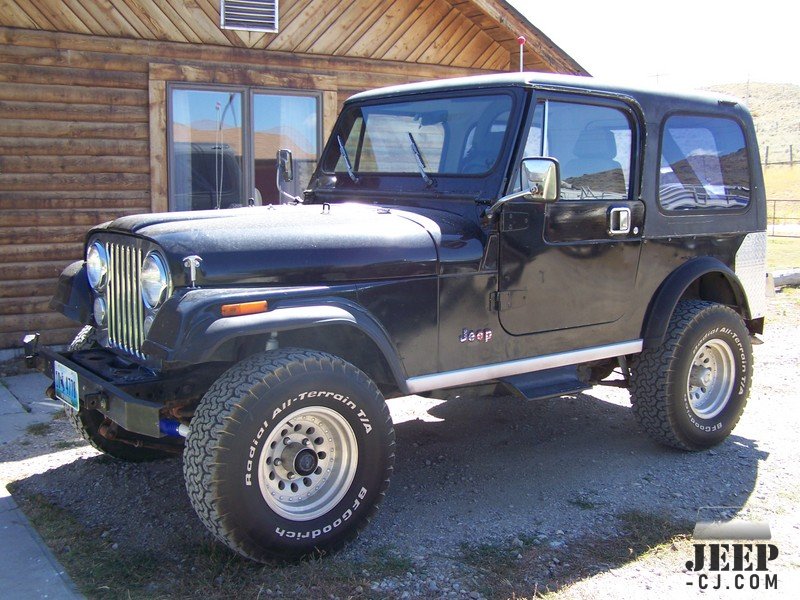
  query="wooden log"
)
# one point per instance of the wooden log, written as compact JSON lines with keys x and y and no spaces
{"x":49,"y":337}
{"x":58,"y":216}
{"x":28,"y":288}
{"x":73,"y":164}
{"x":69,"y":252}
{"x":55,"y":111}
{"x":54,"y":234}
{"x":73,"y":129}
{"x":786,"y":277}
{"x":43,"y":146}
{"x":267,"y":77}
{"x":75,"y":181}
{"x":33,"y":322}
{"x":42,"y":200}
{"x":32,"y":270}
{"x":70,"y":76}
{"x":34,"y":305}
{"x":68,"y":94}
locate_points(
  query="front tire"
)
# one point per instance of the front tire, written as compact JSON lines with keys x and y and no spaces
{"x":690,"y":392}
{"x":289,"y":454}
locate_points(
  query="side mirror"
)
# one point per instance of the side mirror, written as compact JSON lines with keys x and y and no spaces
{"x":285,"y":165}
{"x":542,"y":177}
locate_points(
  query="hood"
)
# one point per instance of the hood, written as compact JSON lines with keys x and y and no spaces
{"x":304,"y":244}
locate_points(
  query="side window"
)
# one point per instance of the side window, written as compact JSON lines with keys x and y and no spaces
{"x":593,"y":147}
{"x":703,"y":164}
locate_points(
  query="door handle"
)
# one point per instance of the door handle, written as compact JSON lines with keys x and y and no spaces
{"x":619,"y":220}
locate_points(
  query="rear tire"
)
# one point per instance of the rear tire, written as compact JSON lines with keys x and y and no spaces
{"x":289,"y":454}
{"x":87,"y":422}
{"x":690,"y":392}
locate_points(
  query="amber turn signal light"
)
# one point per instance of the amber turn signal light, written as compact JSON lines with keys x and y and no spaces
{"x":244,"y":308}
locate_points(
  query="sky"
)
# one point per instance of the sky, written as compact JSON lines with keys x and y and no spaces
{"x":677,"y":43}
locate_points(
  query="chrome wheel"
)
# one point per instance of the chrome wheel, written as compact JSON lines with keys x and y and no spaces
{"x":307,"y":463}
{"x":711,"y":379}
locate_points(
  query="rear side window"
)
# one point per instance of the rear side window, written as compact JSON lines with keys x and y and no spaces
{"x":703,"y":164}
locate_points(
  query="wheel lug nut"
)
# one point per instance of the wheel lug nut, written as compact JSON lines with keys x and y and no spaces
{"x":290,"y":475}
{"x":287,"y":440}
{"x":305,"y":442}
{"x":278,"y":462}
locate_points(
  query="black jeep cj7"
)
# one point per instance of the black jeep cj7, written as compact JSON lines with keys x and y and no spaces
{"x":521,"y":232}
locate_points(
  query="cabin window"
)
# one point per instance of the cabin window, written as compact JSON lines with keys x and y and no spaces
{"x":703,"y":164}
{"x":250,"y":15}
{"x":223,"y":143}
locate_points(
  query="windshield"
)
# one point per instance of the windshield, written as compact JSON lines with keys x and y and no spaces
{"x":443,"y":136}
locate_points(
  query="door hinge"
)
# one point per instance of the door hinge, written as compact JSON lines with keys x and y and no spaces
{"x":506,"y":300}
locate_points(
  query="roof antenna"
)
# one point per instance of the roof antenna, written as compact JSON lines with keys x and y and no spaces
{"x":521,"y":39}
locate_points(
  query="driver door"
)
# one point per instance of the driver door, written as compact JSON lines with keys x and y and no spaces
{"x":573,"y":263}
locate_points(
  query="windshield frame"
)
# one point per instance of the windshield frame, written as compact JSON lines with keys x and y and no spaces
{"x":329,"y":178}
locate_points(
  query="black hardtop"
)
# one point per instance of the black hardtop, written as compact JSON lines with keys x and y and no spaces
{"x":653,"y":106}
{"x":643,"y":95}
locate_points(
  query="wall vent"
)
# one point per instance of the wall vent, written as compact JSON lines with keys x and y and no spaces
{"x":252,"y":15}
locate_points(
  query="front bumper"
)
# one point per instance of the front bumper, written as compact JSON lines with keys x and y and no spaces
{"x":107,"y":385}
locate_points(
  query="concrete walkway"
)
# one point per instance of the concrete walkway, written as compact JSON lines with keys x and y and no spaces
{"x":28,"y":570}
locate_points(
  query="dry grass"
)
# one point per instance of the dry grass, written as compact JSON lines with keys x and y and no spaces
{"x":783,"y":253}
{"x":783,"y":182}
{"x":102,"y":569}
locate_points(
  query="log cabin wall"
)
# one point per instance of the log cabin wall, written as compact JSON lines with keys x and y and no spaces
{"x":83,"y":93}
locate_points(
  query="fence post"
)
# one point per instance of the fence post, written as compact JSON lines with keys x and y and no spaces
{"x":766,"y":157}
{"x":774,"y":215}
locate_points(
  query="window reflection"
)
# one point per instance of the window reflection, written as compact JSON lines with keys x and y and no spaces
{"x":212,"y":134}
{"x":283,"y":121}
{"x":207,"y":150}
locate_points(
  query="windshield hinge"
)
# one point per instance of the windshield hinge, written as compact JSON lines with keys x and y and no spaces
{"x":514,"y":221}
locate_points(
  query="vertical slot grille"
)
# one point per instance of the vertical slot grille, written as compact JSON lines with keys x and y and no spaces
{"x":124,"y":298}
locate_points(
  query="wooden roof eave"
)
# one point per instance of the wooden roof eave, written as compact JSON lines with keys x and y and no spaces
{"x":510,"y":19}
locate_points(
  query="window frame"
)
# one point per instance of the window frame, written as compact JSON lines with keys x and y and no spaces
{"x":701,"y":211}
{"x":628,"y":106}
{"x":509,"y":135}
{"x":248,"y":133}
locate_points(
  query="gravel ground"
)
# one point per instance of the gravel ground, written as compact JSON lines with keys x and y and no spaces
{"x":491,"y":497}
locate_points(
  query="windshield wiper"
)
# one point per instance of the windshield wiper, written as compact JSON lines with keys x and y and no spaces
{"x":420,"y":162}
{"x":346,"y":158}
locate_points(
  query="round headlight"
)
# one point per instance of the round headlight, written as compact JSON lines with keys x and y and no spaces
{"x":97,"y":266}
{"x":99,"y":311}
{"x":155,"y":280}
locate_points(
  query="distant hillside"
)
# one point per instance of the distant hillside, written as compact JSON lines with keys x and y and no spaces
{"x":776,"y":112}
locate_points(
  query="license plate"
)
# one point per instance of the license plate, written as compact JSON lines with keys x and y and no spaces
{"x":66,"y":383}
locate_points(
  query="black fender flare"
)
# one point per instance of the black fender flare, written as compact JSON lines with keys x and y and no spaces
{"x":73,"y":297}
{"x":675,"y":286}
{"x":197,"y":331}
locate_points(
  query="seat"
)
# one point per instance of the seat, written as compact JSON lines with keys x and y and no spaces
{"x":594,"y":166}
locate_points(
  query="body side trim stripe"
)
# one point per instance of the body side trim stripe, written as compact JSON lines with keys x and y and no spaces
{"x":460,"y":377}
